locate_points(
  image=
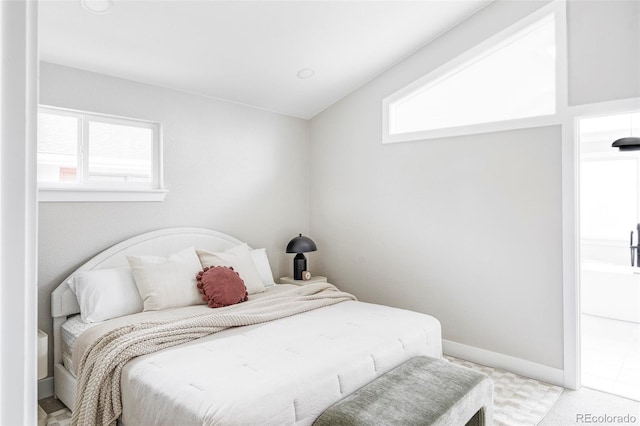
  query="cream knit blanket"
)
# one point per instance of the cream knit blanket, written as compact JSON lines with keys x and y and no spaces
{"x":98,"y":400}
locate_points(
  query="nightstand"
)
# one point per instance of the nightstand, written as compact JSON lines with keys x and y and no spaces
{"x":314,"y":279}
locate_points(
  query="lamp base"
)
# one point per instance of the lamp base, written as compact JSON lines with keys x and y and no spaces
{"x":299,"y":266}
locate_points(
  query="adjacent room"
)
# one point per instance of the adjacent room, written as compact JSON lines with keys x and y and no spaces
{"x":320,"y":212}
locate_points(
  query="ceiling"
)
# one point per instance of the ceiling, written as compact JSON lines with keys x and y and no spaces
{"x":248,"y":52}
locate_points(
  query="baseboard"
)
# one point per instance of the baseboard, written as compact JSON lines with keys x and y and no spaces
{"x":544,"y":373}
{"x":45,"y":388}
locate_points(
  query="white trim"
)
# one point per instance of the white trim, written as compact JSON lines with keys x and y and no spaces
{"x":619,"y":106}
{"x":571,"y":228}
{"x":570,"y":224}
{"x":158,"y":159}
{"x":18,"y":211}
{"x":76,"y":195}
{"x":562,"y":57}
{"x":570,"y":257}
{"x":606,"y":242}
{"x":98,"y":116}
{"x":556,"y":7}
{"x":473,"y":129}
{"x":83,"y":152}
{"x":506,"y":362}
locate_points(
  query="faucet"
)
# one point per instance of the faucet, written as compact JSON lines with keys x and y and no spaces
{"x":635,"y":251}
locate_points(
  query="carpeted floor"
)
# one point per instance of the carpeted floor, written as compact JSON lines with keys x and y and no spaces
{"x":518,"y":401}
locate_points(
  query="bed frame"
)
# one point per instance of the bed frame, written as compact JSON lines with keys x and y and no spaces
{"x":156,"y":243}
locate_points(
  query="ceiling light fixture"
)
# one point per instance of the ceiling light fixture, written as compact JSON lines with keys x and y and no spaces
{"x":630,"y":143}
{"x":306,"y":73}
{"x":97,"y":6}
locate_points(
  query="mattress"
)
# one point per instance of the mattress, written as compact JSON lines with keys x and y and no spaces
{"x":284,"y":372}
{"x":70,"y":330}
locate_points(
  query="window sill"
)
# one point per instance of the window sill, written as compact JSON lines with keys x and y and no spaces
{"x":473,"y":129}
{"x":90,"y":195}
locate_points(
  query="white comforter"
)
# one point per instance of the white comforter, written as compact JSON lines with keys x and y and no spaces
{"x":286,"y":371}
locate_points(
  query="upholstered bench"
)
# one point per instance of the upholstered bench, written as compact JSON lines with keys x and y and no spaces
{"x":422,"y":391}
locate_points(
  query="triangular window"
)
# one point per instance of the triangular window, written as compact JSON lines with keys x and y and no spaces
{"x":513,"y":78}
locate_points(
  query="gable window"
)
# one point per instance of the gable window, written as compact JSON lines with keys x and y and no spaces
{"x":510,"y":78}
{"x":91,"y":157}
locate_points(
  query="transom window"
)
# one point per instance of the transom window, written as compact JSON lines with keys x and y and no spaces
{"x":87,"y":152}
{"x":512,"y":76}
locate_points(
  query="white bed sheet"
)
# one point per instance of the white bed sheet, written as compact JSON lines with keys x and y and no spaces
{"x":285,"y":372}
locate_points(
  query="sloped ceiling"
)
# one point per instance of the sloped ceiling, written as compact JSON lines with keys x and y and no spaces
{"x":249,"y":52}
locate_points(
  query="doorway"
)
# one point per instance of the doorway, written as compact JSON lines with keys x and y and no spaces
{"x":609,"y":268}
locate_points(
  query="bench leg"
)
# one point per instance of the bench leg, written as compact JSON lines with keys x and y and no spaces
{"x":479,"y":418}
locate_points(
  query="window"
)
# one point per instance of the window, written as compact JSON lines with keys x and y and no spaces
{"x":91,"y":157}
{"x":511,"y":77}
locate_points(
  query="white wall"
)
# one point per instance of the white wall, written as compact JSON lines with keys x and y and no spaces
{"x":604,"y":50}
{"x":227,"y":167}
{"x":468,"y":229}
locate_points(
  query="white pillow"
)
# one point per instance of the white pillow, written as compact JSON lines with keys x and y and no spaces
{"x":240,"y":260}
{"x":261,"y":261}
{"x":106,"y":293}
{"x":167,"y":282}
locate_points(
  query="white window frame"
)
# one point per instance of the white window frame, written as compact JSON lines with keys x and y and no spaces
{"x":85,"y":191}
{"x":557,"y":8}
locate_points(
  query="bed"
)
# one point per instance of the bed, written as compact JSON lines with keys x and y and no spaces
{"x":287,"y":370}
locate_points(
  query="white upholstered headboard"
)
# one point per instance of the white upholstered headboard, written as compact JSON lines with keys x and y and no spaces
{"x":156,"y":243}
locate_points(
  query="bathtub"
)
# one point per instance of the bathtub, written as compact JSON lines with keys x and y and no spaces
{"x":611,"y":291}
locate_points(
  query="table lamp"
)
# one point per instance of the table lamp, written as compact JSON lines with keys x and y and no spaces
{"x":300,"y":245}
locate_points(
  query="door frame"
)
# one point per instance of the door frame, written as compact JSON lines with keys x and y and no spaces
{"x":571,"y":228}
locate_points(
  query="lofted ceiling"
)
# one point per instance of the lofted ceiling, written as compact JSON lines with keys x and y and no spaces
{"x":256,"y":53}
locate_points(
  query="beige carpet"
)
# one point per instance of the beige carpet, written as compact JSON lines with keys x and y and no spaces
{"x":518,"y":401}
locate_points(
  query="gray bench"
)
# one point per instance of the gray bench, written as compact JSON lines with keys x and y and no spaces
{"x":422,"y":391}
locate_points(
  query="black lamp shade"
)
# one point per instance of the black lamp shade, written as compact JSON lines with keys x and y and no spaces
{"x":300,"y":245}
{"x":627,"y":144}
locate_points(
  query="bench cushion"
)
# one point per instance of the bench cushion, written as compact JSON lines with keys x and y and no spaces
{"x":422,"y":391}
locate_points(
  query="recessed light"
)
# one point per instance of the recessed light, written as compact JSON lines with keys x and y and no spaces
{"x":97,"y":6}
{"x":305,"y":73}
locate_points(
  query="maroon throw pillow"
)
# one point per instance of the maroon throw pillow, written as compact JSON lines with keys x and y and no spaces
{"x":221,"y":286}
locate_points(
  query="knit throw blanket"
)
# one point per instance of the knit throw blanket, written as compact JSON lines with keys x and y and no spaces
{"x":98,"y":400}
